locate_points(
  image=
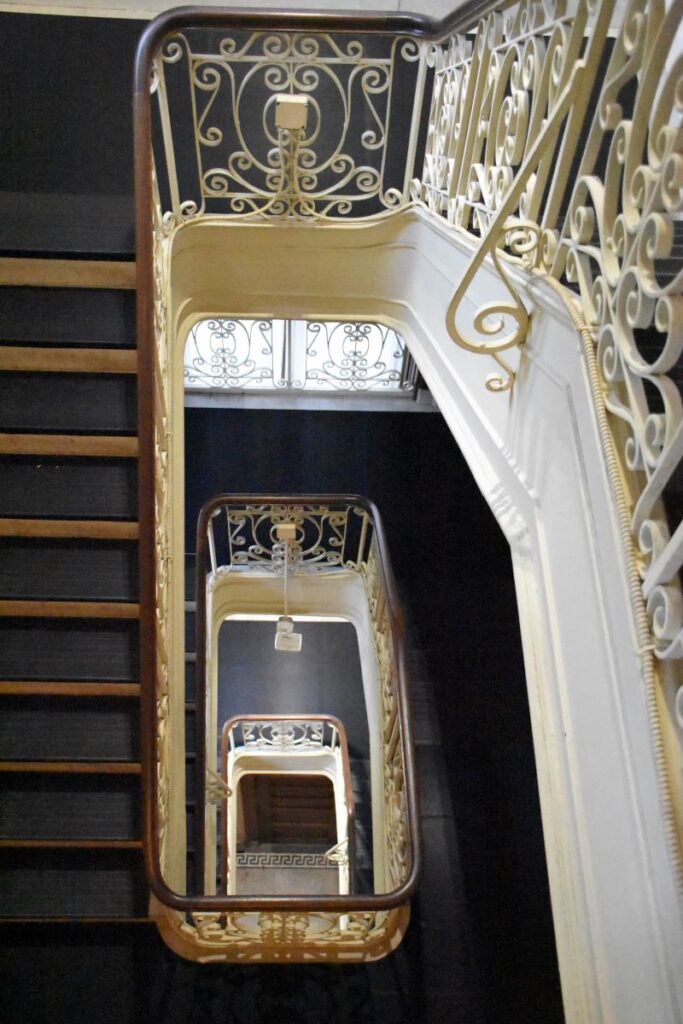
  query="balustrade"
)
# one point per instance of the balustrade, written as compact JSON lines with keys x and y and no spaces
{"x":549,"y":134}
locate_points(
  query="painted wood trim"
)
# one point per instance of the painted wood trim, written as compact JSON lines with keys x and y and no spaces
{"x":25,"y":358}
{"x":87,"y":529}
{"x":20,"y":688}
{"x":69,"y":609}
{"x":47,"y":273}
{"x":69,"y":445}
{"x":72,"y":767}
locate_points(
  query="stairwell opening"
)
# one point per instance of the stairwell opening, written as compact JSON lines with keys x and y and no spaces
{"x":485,"y":891}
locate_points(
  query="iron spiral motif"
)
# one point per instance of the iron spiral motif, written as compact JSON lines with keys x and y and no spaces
{"x":229,"y":354}
{"x":244,"y":165}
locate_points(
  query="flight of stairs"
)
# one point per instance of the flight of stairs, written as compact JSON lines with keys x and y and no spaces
{"x":70,"y":844}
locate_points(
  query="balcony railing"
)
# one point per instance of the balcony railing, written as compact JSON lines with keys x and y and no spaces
{"x":275,"y":739}
{"x":337,"y":536}
{"x":293,"y":356}
{"x":547,"y":132}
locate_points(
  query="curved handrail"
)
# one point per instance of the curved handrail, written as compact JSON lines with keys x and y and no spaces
{"x":419,"y":27}
{"x":339,"y":903}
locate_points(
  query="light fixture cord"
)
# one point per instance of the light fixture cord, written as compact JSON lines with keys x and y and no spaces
{"x":286,"y":560}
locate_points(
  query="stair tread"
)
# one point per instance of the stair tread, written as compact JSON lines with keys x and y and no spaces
{"x":84,"y":445}
{"x":71,"y":844}
{"x":61,"y":688}
{"x":72,"y":767}
{"x":93,"y":529}
{"x":35,"y":271}
{"x":53,"y":359}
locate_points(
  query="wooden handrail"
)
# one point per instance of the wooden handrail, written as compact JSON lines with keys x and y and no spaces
{"x":337,"y":903}
{"x":418,"y":27}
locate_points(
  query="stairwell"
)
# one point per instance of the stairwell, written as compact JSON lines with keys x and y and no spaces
{"x":73,"y":898}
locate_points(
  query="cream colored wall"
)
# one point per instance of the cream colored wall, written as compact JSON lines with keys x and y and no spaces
{"x":537,"y":458}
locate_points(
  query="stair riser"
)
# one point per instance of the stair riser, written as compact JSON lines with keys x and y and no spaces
{"x":67,"y":403}
{"x":68,"y":570}
{"x":69,"y":649}
{"x":69,"y":729}
{"x":77,"y":488}
{"x":68,"y":316}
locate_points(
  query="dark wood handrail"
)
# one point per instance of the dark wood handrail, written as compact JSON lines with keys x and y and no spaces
{"x":222,"y":903}
{"x":377,"y":901}
{"x":332,"y":721}
{"x":419,"y":27}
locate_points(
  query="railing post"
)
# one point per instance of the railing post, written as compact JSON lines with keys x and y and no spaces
{"x":167,"y":135}
{"x":414,"y":135}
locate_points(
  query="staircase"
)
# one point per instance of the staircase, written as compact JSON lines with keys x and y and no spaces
{"x":70,"y":843}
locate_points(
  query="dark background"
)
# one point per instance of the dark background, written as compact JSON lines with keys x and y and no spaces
{"x":454,"y":574}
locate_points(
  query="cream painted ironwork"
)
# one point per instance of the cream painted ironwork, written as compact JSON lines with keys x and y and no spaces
{"x":337,"y":539}
{"x":555,"y":144}
{"x":244,"y":163}
{"x":357,"y":357}
{"x":283,"y":735}
{"x":302,"y":746}
{"x":556,"y":138}
{"x":507,"y":113}
{"x":162,"y":527}
{"x":396,"y":839}
{"x":289,"y":936}
{"x":621,"y":246}
{"x":325,"y":537}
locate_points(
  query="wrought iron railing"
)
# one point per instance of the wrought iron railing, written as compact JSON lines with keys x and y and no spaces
{"x":353,"y":357}
{"x":555,"y":140}
{"x":332,"y":534}
{"x":345,"y":154}
{"x":553,"y":143}
{"x":242,"y":533}
{"x":285,"y":734}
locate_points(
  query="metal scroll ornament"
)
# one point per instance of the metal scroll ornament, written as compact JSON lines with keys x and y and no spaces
{"x":507,"y":110}
{"x":245,"y":166}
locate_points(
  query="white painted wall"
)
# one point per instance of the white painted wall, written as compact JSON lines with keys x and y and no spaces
{"x":537,"y":459}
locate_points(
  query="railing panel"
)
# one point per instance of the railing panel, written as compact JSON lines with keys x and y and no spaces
{"x":338,"y":151}
{"x":554,"y":143}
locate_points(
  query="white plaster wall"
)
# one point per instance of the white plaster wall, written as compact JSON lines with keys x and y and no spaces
{"x":537,"y":460}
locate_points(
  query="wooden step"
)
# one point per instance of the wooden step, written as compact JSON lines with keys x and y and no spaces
{"x":48,"y":273}
{"x":68,"y":689}
{"x":18,"y":358}
{"x":96,"y":446}
{"x":296,"y":815}
{"x":69,"y":609}
{"x":88,"y":529}
{"x":71,"y":767}
{"x":70,"y":844}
